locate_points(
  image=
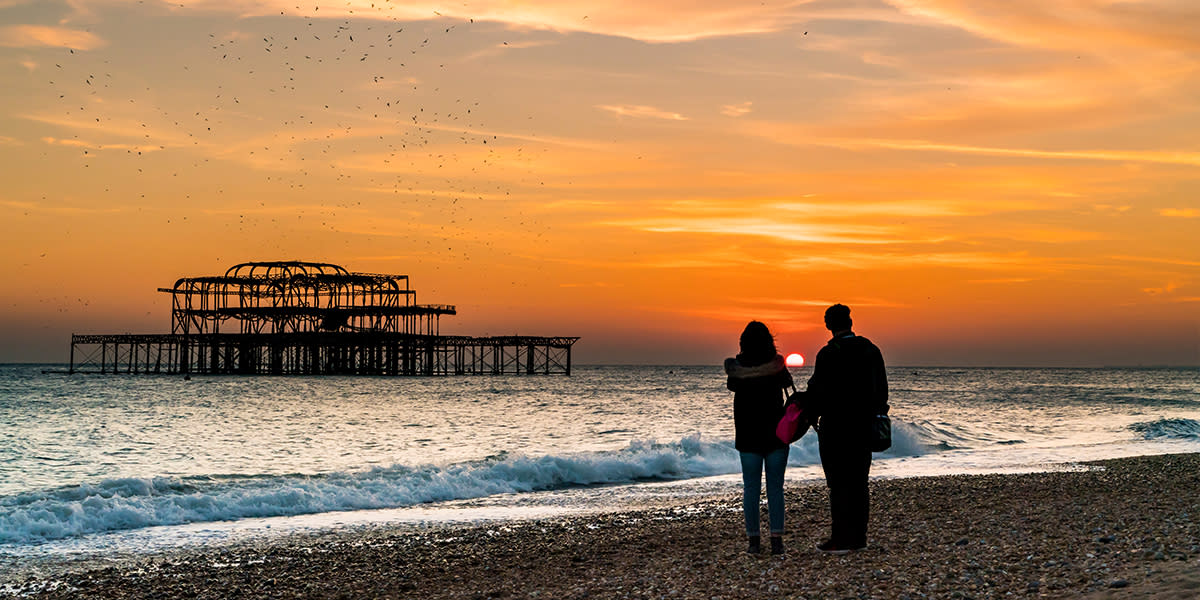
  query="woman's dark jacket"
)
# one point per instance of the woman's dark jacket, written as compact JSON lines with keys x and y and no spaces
{"x":757,"y":388}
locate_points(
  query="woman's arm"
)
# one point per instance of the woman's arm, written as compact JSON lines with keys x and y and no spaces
{"x":735,"y":369}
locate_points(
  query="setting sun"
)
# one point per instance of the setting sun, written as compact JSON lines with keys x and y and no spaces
{"x":795,"y":360}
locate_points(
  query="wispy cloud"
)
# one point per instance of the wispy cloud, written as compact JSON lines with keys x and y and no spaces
{"x":42,"y":36}
{"x":1187,"y":213}
{"x":114,"y":126}
{"x":1154,"y":24}
{"x":590,"y":284}
{"x":662,"y":21}
{"x":61,"y":210}
{"x":497,"y":49}
{"x":1167,"y":288}
{"x":77,"y":143}
{"x":277,"y":209}
{"x":1162,"y":261}
{"x":822,"y":303}
{"x":737,"y":110}
{"x":778,"y":319}
{"x":641,"y":111}
{"x":770,"y":228}
{"x":907,"y":259}
{"x":1143,"y":156}
{"x":1003,"y":280}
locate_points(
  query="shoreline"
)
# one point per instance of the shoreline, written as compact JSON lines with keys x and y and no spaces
{"x":1128,"y":529}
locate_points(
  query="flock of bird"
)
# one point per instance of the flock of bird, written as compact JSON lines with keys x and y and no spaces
{"x":332,"y":112}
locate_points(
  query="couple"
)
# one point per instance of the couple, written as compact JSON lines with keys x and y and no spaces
{"x":847,"y":388}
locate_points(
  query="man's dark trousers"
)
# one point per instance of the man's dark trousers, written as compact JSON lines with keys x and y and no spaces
{"x":847,"y":464}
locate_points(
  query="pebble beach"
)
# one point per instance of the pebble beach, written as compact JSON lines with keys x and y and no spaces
{"x":1126,"y":528}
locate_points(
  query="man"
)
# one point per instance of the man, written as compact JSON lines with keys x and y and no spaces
{"x":847,"y":389}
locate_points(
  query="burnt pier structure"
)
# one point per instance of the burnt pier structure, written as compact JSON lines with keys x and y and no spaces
{"x":306,"y":318}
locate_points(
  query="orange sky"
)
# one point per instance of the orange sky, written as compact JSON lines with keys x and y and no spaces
{"x":1010,"y":182}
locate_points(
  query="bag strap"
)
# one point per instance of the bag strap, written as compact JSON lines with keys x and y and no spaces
{"x":787,"y":397}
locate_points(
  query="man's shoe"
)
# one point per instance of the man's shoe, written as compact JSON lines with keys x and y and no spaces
{"x":754,"y":546}
{"x":776,"y":545}
{"x":829,"y":547}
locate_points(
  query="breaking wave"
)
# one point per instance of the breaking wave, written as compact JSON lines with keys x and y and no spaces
{"x":922,"y":436}
{"x":133,"y":503}
{"x":1179,"y":429}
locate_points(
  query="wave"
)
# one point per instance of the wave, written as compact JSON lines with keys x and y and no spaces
{"x":922,"y":436}
{"x":1168,"y":429}
{"x":134,"y":503}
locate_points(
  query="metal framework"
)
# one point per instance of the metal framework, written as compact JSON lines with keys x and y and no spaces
{"x":302,"y":318}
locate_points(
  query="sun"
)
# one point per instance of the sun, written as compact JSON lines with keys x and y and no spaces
{"x":795,"y":360}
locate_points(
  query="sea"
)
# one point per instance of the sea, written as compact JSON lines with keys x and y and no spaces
{"x":100,"y":466}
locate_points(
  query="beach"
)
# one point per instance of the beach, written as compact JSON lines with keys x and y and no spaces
{"x":1124,"y":528}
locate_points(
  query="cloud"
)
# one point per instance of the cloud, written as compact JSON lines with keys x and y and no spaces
{"x":736,"y":110}
{"x":641,"y":112}
{"x":769,"y":228}
{"x":921,"y":208}
{"x":1095,"y":25}
{"x":823,"y":303}
{"x":659,"y":22}
{"x":1167,"y":157}
{"x":61,"y":210}
{"x":1161,"y":261}
{"x":892,"y":261}
{"x":128,"y":128}
{"x":780,"y":319}
{"x":591,"y":284}
{"x":1165,"y":289}
{"x":1003,"y":280}
{"x":1187,"y":213}
{"x":41,"y":36}
{"x":77,"y":143}
{"x":838,"y":209}
{"x":500,"y":48}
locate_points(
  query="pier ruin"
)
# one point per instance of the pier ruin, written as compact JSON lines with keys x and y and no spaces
{"x":308,"y":318}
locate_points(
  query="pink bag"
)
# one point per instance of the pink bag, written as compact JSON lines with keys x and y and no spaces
{"x":793,"y":425}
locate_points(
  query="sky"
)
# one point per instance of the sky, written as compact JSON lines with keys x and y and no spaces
{"x":984,"y":183}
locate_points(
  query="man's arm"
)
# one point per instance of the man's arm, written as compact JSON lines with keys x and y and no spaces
{"x":817,"y":393}
{"x":881,"y":383}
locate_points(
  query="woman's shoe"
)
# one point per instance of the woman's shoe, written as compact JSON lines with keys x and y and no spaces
{"x":755,"y":546}
{"x":776,"y":545}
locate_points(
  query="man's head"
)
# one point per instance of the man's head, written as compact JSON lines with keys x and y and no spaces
{"x":837,"y":318}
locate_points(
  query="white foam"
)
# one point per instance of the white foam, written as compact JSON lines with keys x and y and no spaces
{"x":132,"y":503}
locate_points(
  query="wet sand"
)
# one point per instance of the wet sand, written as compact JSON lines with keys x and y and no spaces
{"x":1129,"y":528}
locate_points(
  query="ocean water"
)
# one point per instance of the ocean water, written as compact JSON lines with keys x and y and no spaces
{"x":96,"y":464}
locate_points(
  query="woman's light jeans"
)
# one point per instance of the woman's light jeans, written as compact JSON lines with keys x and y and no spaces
{"x":752,"y":474}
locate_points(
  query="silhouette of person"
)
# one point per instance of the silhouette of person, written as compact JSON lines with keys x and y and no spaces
{"x":757,"y":377}
{"x":847,"y":389}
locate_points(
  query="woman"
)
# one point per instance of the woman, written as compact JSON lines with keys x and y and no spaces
{"x":757,"y":377}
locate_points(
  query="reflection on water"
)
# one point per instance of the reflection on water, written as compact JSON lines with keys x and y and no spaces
{"x":102,"y":454}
